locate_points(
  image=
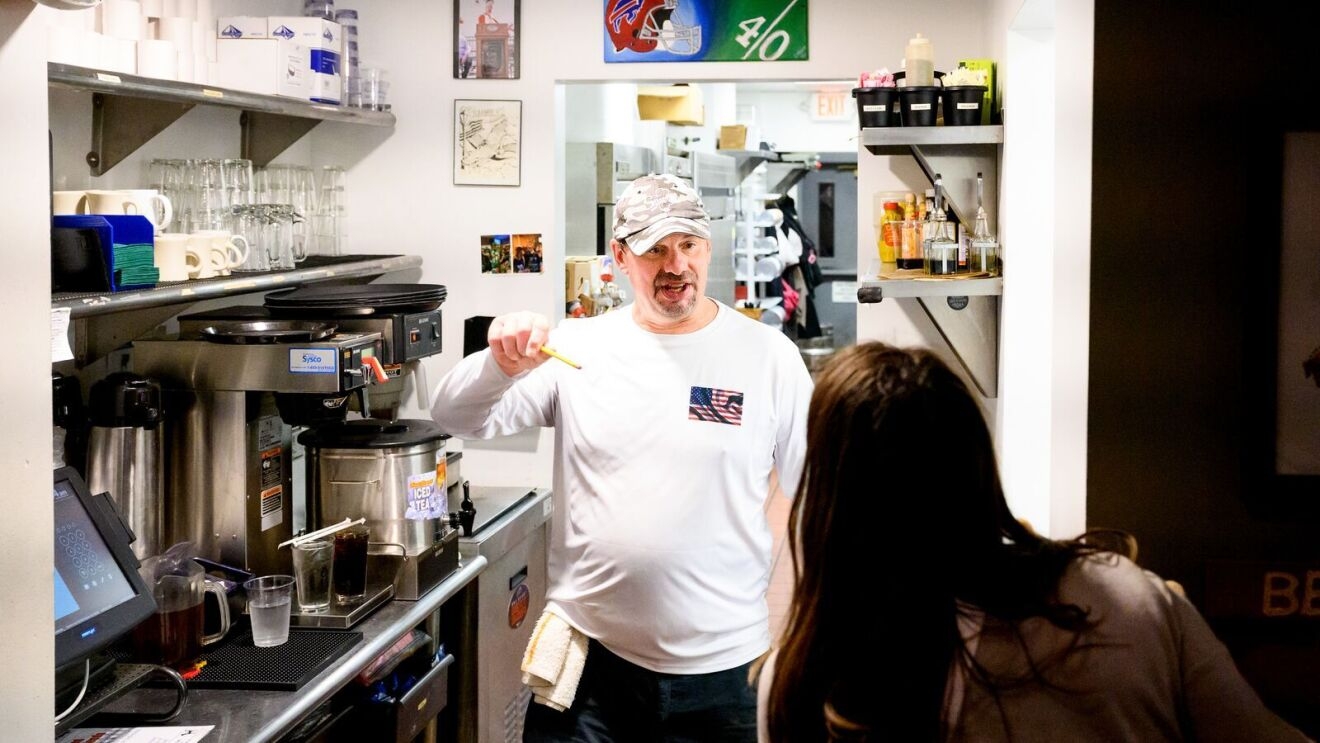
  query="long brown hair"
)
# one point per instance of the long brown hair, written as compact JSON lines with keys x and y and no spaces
{"x":900,"y":507}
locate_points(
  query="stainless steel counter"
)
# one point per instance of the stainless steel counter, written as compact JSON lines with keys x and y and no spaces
{"x":243,"y":716}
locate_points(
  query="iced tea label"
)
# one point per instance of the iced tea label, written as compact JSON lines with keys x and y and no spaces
{"x":312,"y":361}
{"x":920,"y":106}
{"x":967,"y":106}
{"x":423,"y":497}
{"x":873,"y":109}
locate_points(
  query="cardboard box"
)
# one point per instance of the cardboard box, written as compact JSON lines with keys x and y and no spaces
{"x":733,"y":137}
{"x":325,"y":44}
{"x":265,"y":66}
{"x":242,"y":27}
{"x":578,"y":276}
{"x":990,"y":108}
{"x":677,"y":104}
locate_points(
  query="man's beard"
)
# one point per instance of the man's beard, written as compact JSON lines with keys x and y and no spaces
{"x":683,"y":308}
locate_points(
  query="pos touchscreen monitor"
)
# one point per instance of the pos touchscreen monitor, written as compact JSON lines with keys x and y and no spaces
{"x":99,"y":595}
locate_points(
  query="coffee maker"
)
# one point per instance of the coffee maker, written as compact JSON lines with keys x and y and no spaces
{"x":239,"y":379}
{"x":236,"y":380}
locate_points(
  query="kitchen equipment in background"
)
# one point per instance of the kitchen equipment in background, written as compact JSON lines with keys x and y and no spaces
{"x":392,"y":473}
{"x":597,"y":174}
{"x":510,"y":530}
{"x":715,"y":178}
{"x":124,"y":455}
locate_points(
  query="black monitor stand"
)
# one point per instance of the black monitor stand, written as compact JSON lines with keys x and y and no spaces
{"x":109,"y":680}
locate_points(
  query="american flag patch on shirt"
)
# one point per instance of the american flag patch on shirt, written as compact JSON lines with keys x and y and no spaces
{"x":716,"y":406}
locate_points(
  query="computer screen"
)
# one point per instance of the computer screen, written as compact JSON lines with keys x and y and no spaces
{"x":98,"y":593}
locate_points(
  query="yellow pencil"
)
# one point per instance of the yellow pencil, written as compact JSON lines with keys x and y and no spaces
{"x":552,"y":353}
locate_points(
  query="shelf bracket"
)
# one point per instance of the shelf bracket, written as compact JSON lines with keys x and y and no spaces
{"x":970,"y":325}
{"x":266,"y":135}
{"x":121,"y":124}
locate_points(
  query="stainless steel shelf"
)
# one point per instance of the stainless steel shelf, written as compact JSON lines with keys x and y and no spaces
{"x":187,"y":292}
{"x":901,"y":136}
{"x":98,"y":81}
{"x":127,"y":111}
{"x":874,"y":290}
{"x":749,"y":160}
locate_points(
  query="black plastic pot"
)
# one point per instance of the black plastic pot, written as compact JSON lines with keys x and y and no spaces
{"x":876,"y":106}
{"x":962,"y":104}
{"x":920,"y":104}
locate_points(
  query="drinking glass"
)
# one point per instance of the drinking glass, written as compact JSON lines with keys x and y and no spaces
{"x":312,"y":563}
{"x":350,"y":569}
{"x":268,"y":606}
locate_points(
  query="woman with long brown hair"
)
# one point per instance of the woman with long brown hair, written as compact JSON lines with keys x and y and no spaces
{"x":984,"y":630}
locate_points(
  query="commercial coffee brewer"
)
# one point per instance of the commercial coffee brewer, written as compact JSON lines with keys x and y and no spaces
{"x":234,"y":387}
{"x":239,"y":380}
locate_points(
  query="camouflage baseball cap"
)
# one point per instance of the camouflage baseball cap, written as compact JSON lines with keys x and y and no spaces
{"x":655,"y":206}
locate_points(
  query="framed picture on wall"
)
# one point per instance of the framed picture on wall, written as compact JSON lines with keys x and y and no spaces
{"x":487,"y":143}
{"x":486,"y":34}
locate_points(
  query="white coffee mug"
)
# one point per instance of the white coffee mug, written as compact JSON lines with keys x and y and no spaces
{"x":234,"y":247}
{"x":141,"y":201}
{"x":154,"y":205}
{"x":68,"y":202}
{"x":171,"y":256}
{"x":205,"y":260}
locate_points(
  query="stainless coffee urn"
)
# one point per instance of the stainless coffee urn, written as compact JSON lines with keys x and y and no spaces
{"x":124,"y":455}
{"x":393,"y":474}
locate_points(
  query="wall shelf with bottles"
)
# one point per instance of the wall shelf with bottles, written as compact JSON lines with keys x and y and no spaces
{"x":105,"y":321}
{"x":127,"y":111}
{"x":965,"y":311}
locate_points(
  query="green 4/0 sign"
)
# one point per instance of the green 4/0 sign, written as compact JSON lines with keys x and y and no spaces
{"x":705,"y":30}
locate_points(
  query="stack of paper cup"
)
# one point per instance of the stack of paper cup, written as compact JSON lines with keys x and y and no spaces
{"x":122,"y":19}
{"x":66,"y":45}
{"x":179,"y":31}
{"x":181,"y":9}
{"x":159,"y":59}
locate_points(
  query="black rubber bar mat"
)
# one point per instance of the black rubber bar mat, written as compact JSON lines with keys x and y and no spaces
{"x":237,"y":664}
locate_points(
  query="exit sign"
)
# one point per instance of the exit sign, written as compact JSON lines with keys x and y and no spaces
{"x":830,"y":106}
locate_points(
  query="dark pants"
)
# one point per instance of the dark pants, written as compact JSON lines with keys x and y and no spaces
{"x":619,"y":701}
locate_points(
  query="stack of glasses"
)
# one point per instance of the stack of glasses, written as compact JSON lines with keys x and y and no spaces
{"x":203,"y":192}
{"x":348,"y":20}
{"x":325,"y":9}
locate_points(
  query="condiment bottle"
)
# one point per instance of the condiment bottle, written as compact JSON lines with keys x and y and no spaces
{"x":942,"y":250}
{"x":983,"y":248}
{"x":891,"y":232}
{"x":919,"y":61}
{"x":910,"y":253}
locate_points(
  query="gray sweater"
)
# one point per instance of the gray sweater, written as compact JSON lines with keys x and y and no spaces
{"x":1149,"y":670}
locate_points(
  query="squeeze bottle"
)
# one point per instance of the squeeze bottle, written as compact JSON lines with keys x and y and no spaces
{"x":919,"y":61}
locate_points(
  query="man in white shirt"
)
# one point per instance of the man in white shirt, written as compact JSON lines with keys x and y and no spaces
{"x":665,"y":441}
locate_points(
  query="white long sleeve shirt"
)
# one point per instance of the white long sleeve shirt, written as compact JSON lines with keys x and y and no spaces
{"x":659,"y":547}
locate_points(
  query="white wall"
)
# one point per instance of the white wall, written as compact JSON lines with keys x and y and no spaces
{"x":1046,"y":199}
{"x":27,"y":531}
{"x":784,"y":119}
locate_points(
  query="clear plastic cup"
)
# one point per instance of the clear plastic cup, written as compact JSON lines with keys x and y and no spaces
{"x":269,"y":599}
{"x":312,"y":563}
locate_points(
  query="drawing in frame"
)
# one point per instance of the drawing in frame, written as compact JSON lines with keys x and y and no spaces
{"x":487,"y":39}
{"x":487,"y":143}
